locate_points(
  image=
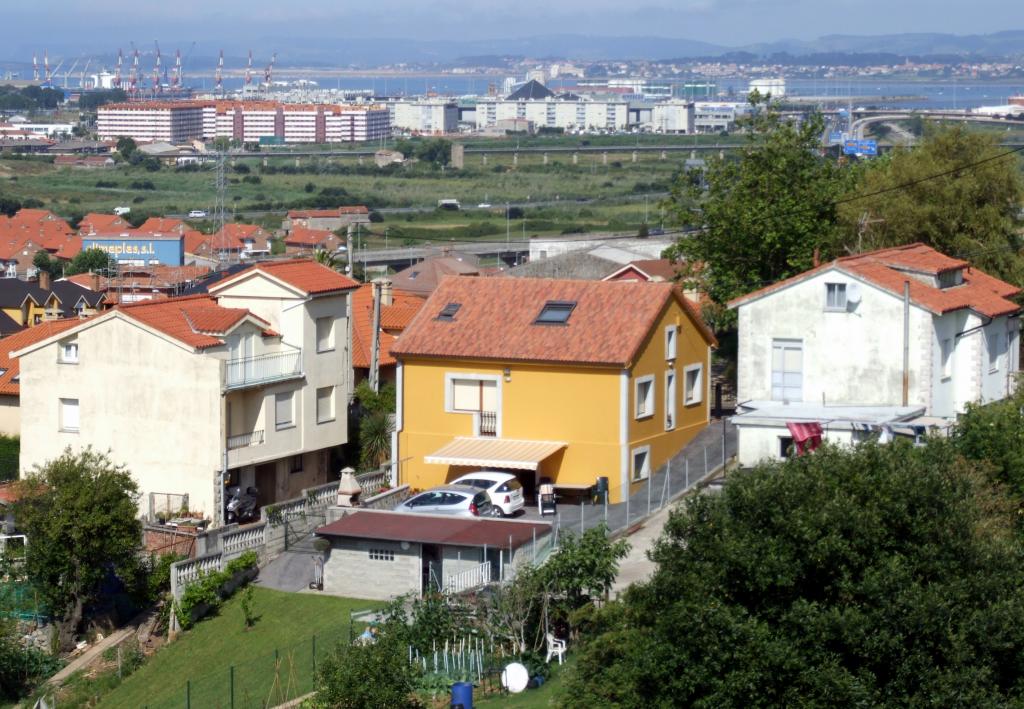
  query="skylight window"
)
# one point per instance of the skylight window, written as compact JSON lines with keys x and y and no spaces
{"x":448,"y":312}
{"x":412,"y":276}
{"x":555,"y":312}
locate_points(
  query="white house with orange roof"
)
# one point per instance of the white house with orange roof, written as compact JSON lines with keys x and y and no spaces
{"x":898,"y":338}
{"x":245,"y":386}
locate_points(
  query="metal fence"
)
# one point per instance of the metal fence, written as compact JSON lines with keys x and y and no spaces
{"x":170,"y":504}
{"x":248,"y":371}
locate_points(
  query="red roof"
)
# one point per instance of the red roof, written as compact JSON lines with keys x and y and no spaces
{"x":306,"y":275}
{"x":17,"y":341}
{"x":427,"y":529}
{"x":301,"y":236}
{"x":195,"y":240}
{"x":608,"y":325}
{"x":392,"y":317}
{"x":69,"y":249}
{"x":889,"y":269}
{"x":94,"y":222}
{"x":661,"y":269}
{"x":158,"y":225}
{"x":189,"y":319}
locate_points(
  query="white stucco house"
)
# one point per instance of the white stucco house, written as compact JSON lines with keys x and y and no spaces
{"x":898,"y":338}
{"x":246,"y":385}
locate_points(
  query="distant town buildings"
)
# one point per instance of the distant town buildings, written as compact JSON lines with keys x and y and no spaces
{"x":245,"y":121}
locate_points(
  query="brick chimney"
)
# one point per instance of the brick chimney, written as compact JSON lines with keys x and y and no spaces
{"x":44,"y":280}
{"x":94,"y":282}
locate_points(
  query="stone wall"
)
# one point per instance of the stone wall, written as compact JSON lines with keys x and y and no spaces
{"x":350,"y":571}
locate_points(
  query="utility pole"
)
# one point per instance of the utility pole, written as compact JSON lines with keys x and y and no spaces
{"x":375,"y":342}
{"x":348,"y":251}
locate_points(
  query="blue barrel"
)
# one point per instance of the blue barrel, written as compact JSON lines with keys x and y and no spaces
{"x":462,"y":695}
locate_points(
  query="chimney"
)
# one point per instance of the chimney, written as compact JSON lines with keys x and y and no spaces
{"x":44,"y":280}
{"x":94,"y":281}
{"x":387,"y":293}
{"x":348,"y":489}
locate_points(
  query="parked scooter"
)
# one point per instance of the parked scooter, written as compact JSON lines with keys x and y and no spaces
{"x":242,"y":507}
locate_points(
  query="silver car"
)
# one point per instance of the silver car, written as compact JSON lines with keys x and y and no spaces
{"x":455,"y":500}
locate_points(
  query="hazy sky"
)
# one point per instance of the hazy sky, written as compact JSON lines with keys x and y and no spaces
{"x":104,"y":23}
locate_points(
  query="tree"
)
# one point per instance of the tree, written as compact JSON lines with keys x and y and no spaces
{"x":43,"y":262}
{"x":91,"y":261}
{"x":970,"y":213}
{"x":764,"y":215}
{"x":9,"y":206}
{"x":584,"y":567}
{"x":327,"y":258}
{"x":884,"y":575}
{"x":126,"y":147}
{"x":79,"y":512}
{"x":994,"y":434}
{"x":277,"y":246}
{"x":377,"y":674}
{"x":375,"y":426}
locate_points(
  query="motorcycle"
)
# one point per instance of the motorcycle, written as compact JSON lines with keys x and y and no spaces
{"x":242,"y":507}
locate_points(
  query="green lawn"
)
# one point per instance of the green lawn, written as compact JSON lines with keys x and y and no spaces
{"x":200,"y":661}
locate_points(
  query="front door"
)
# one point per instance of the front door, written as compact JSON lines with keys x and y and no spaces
{"x":433,"y":580}
{"x":266,"y":483}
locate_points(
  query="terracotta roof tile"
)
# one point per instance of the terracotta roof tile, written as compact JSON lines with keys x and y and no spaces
{"x":93,"y":222}
{"x":17,"y":341}
{"x":306,"y":275}
{"x":392,"y":317}
{"x":496,"y":320}
{"x":423,"y":278}
{"x":195,"y":240}
{"x":661,"y":269}
{"x":160,"y":225}
{"x":888,"y":269}
{"x":301,"y":236}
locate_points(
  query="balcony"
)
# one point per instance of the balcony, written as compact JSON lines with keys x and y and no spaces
{"x":262,"y":369}
{"x":489,"y":423}
{"x":244,"y":440}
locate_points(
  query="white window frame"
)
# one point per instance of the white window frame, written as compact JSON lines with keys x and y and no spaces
{"x":449,"y":398}
{"x":64,"y":404}
{"x":649,"y":400}
{"x":330,"y":339}
{"x":671,"y":421}
{"x":947,"y":348}
{"x":696,"y":396}
{"x":996,"y":349}
{"x":63,"y":352}
{"x":290,"y":423}
{"x":645,"y":470}
{"x":840,"y":289}
{"x":671,"y":342}
{"x":785,"y":344}
{"x":331,"y":402}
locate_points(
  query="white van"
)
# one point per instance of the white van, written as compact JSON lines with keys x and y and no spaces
{"x":121,"y":211}
{"x":197,"y":214}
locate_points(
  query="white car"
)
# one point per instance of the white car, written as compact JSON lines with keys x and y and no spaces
{"x":504,"y":489}
{"x":484,"y":205}
{"x":197,"y":214}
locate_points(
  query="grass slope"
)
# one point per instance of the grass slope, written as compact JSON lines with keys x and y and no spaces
{"x":205,"y":654}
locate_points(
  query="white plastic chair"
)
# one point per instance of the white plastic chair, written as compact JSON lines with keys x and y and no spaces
{"x":555,"y":647}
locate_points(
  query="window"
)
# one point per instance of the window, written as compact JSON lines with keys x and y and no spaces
{"x":835,"y":296}
{"x":448,"y":312}
{"x":382,"y":555}
{"x":69,"y":352}
{"x":324,"y":334}
{"x":996,"y":344}
{"x":670,"y":342}
{"x":787,"y":370}
{"x":670,"y":400}
{"x":283,"y":410}
{"x":644,"y":390}
{"x":69,"y":415}
{"x":474,"y":395}
{"x":693,"y":384}
{"x":785,"y":446}
{"x":324,"y":404}
{"x":947,"y":357}
{"x":641,"y":463}
{"x":295,"y":464}
{"x":555,"y":312}
{"x":36,"y":319}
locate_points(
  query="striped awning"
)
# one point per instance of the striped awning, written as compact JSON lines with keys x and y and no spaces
{"x":495,"y":453}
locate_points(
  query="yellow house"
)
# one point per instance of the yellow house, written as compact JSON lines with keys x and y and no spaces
{"x":566,"y":380}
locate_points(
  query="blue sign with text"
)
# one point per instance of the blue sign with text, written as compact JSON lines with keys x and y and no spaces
{"x":168,"y":251}
{"x":861,"y":147}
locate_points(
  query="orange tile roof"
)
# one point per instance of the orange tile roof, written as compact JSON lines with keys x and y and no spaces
{"x":306,"y":275}
{"x":159,"y":225}
{"x":608,"y":326}
{"x":32,"y":216}
{"x":888,"y":269}
{"x":392,"y":317}
{"x":94,"y":222}
{"x":195,"y":240}
{"x":301,"y":236}
{"x":661,"y":269}
{"x":189,"y":319}
{"x":69,"y":249}
{"x":29,"y":336}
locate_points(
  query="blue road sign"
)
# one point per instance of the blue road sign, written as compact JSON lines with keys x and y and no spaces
{"x":835,"y":137}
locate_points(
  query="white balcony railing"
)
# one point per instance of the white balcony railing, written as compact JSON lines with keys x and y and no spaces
{"x":244,"y":440}
{"x":262,"y":369}
{"x":471,"y":578}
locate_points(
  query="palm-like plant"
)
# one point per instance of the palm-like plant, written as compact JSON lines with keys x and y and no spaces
{"x":375,"y":439}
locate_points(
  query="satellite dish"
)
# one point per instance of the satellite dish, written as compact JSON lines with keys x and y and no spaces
{"x":515,"y":677}
{"x":853,"y":293}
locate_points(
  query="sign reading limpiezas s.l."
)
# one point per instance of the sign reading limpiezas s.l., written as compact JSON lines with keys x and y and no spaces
{"x":165,"y":249}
